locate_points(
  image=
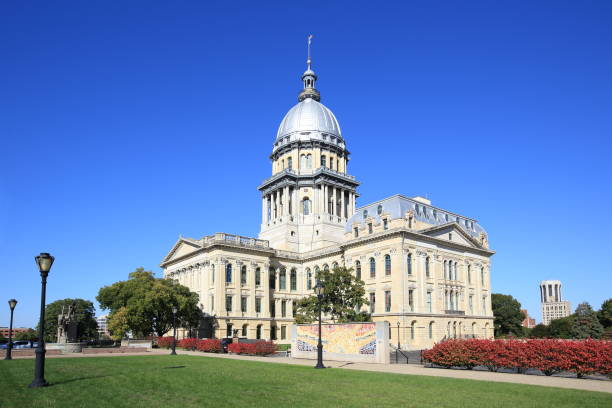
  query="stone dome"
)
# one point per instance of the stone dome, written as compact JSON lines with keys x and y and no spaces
{"x":309,"y":116}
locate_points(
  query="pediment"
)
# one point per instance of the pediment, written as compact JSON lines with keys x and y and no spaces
{"x":453,"y":233}
{"x":184,"y":246}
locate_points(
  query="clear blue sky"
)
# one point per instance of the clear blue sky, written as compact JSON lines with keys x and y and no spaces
{"x":125,"y":124}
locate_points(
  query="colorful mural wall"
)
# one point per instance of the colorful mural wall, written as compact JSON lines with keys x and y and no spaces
{"x":344,"y":341}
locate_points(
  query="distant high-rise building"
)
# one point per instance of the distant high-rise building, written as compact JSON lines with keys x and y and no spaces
{"x":528,"y":322}
{"x":553,"y":307}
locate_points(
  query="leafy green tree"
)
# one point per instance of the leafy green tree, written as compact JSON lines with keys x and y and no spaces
{"x":2,"y":338}
{"x":586,"y":324}
{"x":605,"y":314}
{"x":143,"y":304}
{"x":540,"y":331}
{"x":29,"y":334}
{"x":508,"y":315}
{"x":84,"y":314}
{"x":343,"y":296}
{"x":561,"y":328}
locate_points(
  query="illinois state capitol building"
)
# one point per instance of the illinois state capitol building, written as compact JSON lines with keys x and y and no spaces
{"x":424,"y":267}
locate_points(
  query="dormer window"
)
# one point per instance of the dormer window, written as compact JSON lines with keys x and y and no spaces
{"x":379,"y":209}
{"x":450,"y":236}
{"x":365,"y":214}
{"x":435,"y":214}
{"x":324,"y":137}
{"x":385,"y":224}
{"x":356,"y":230}
{"x":446,"y":217}
{"x":370,"y":228}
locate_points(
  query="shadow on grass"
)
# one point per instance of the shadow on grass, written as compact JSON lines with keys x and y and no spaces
{"x":173,"y":367}
{"x":77,"y":379}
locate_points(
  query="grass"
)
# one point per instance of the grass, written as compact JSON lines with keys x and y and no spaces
{"x":193,"y":381}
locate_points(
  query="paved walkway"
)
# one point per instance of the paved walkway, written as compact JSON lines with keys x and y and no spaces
{"x":575,"y":383}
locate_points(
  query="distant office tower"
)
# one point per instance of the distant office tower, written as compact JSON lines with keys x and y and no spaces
{"x":553,"y":307}
{"x":528,"y":322}
{"x":102,"y":325}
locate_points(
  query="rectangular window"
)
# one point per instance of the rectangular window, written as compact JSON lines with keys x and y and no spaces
{"x":272,"y":308}
{"x":282,"y":281}
{"x":429,"y":306}
{"x":289,"y":163}
{"x":471,"y":304}
{"x":484,"y":305}
{"x":284,"y":308}
{"x":411,"y":300}
{"x":469,"y":274}
{"x":369,"y":228}
{"x":385,"y":224}
{"x":258,"y":277}
{"x":323,"y":161}
{"x":212,"y":303}
{"x":243,"y":304}
{"x":228,"y":303}
{"x":356,"y":232}
{"x":387,"y":301}
{"x":257,"y":305}
{"x":427,"y":267}
{"x":372,"y":302}
{"x":283,"y":332}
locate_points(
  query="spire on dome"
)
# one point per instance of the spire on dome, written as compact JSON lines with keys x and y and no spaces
{"x":309,"y":78}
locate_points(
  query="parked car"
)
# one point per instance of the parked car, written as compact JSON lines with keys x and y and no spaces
{"x":22,"y":344}
{"x":3,"y":344}
{"x":225,"y":343}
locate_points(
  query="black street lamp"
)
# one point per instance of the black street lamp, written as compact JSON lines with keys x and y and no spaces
{"x":174,"y":310}
{"x":319,"y":291}
{"x":44,"y":261}
{"x":12,"y":303}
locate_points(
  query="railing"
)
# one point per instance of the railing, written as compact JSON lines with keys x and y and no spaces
{"x":236,"y":239}
{"x":454,"y":312}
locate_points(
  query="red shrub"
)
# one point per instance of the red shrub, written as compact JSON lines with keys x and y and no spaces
{"x":189,"y":344}
{"x":165,"y":342}
{"x":264,"y":348}
{"x":260,"y":348}
{"x":209,"y":345}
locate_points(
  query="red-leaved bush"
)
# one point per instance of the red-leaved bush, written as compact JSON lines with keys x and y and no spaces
{"x":165,"y":342}
{"x":188,"y":344}
{"x":547,"y":355}
{"x":260,"y":348}
{"x":209,"y":345}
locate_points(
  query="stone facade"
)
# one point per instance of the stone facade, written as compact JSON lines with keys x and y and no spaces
{"x":553,"y":307}
{"x":427,"y":270}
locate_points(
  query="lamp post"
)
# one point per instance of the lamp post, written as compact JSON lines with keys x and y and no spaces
{"x":319,"y":291}
{"x":44,"y":261}
{"x":12,"y":303}
{"x":174,"y":310}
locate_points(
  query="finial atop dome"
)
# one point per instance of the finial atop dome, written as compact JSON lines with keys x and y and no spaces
{"x":309,"y":78}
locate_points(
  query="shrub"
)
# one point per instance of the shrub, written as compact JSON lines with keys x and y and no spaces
{"x":165,"y":342}
{"x":547,"y":355}
{"x":209,"y":346}
{"x":188,"y":344}
{"x":260,"y":348}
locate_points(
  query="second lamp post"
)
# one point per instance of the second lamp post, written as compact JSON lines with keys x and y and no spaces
{"x":9,"y":347}
{"x":319,"y":290}
{"x":174,"y":310}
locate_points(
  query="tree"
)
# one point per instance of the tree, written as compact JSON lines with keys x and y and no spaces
{"x":29,"y":334}
{"x":343,"y":296}
{"x":508,"y":315}
{"x":540,"y":331}
{"x":604,"y":315}
{"x":2,"y":338}
{"x":586,"y":324}
{"x":561,"y":328}
{"x":143,"y":305}
{"x":87,"y":327}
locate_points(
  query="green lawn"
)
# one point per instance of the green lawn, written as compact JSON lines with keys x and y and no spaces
{"x":191,"y":381}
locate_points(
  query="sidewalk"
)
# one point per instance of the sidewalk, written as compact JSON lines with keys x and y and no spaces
{"x":574,"y":383}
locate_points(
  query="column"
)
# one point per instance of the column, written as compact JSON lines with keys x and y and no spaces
{"x":342,"y":212}
{"x":263,"y":210}
{"x":333,"y":209}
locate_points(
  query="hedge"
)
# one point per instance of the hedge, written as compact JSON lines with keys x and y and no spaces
{"x":547,"y":355}
{"x":259,"y":348}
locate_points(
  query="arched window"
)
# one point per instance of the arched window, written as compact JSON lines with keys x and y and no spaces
{"x":379,"y":209}
{"x":431,"y":330}
{"x":245,"y":328}
{"x":282,"y":279}
{"x":409,"y":262}
{"x":412,"y":327}
{"x":358,"y":270}
{"x":474,"y":330}
{"x":448,"y":329}
{"x":372,"y":268}
{"x":308,"y":279}
{"x":272,"y":273}
{"x":446,"y":270}
{"x":334,"y":265}
{"x":365,"y":214}
{"x":455,"y":271}
{"x":293,"y":279}
{"x":258,"y":332}
{"x":387,"y":264}
{"x":309,"y":161}
{"x":258,"y":277}
{"x":469,"y":273}
{"x":306,"y":206}
{"x":427,"y":267}
{"x":482,"y":278}
{"x":303,"y":161}
{"x":243,"y":275}
{"x":325,"y":267}
{"x":272,"y":332}
{"x":228,"y":273}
